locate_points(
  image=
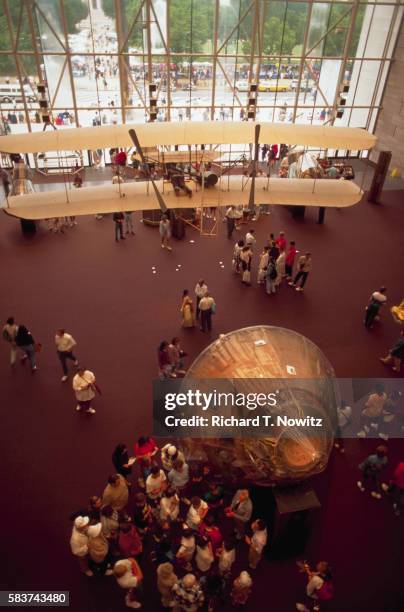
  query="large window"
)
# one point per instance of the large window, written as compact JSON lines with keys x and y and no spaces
{"x":112,"y":61}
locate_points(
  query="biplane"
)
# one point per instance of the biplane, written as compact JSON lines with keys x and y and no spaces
{"x":204,"y":143}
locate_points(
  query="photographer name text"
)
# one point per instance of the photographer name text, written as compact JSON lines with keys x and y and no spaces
{"x":260,"y":420}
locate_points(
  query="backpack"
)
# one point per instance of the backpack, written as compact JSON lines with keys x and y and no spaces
{"x":6,"y":336}
{"x":326,"y":591}
{"x":272,"y":272}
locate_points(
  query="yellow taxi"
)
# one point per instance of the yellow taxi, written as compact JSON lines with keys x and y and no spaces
{"x":275,"y":85}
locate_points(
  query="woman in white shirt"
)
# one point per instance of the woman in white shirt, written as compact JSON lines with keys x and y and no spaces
{"x":156,"y":483}
{"x":257,"y":542}
{"x":83,"y":386}
{"x":250,"y":239}
{"x":280,"y":268}
{"x":201,"y":290}
{"x":227,"y":556}
{"x":236,"y":262}
{"x":186,"y":549}
{"x":196,"y":513}
{"x":169,"y":506}
{"x":204,"y":555}
{"x":262,"y":266}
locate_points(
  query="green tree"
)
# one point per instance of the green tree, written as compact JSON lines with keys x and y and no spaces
{"x":128,"y":12}
{"x":75,"y":11}
{"x":7,"y":62}
{"x":284,"y":27}
{"x":191,"y":25}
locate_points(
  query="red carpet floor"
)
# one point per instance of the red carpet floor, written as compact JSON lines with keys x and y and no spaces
{"x":106,"y":295}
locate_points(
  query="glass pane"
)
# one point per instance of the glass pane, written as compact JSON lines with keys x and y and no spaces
{"x":8,"y":70}
{"x":361,"y":89}
{"x":339,"y":22}
{"x":158,"y":26}
{"x":5,"y":39}
{"x":10,"y":98}
{"x":396,"y":28}
{"x":63,"y":98}
{"x":29,"y":71}
{"x":130,"y":21}
{"x":284,"y":27}
{"x":375,"y":22}
{"x":96,"y":80}
{"x":353,"y":49}
{"x":21,"y":25}
{"x":58,"y":82}
{"x":50,"y":26}
{"x":318,"y":27}
{"x":191,"y":26}
{"x":235,"y":25}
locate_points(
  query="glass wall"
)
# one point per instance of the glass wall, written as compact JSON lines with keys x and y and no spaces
{"x":113,"y":61}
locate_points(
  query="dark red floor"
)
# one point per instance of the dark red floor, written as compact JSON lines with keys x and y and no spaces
{"x":107,"y":296}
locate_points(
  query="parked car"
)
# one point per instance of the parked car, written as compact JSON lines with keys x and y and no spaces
{"x":12,"y":93}
{"x":242,"y":86}
{"x":304,"y":85}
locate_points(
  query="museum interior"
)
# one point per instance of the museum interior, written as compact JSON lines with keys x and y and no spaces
{"x":204,"y":190}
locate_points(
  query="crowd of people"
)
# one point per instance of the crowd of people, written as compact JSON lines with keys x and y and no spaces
{"x":275,"y":265}
{"x":180,"y":518}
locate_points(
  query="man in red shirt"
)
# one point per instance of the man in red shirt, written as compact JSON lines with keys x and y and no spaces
{"x":129,"y":542}
{"x":209,"y":530}
{"x":145,"y":449}
{"x":290,"y":260}
{"x":281,"y":242}
{"x":121,"y":158}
